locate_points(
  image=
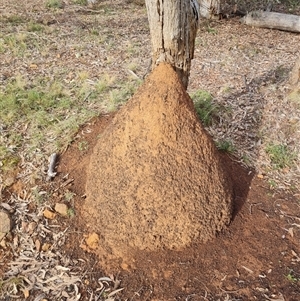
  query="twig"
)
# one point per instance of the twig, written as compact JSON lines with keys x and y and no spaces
{"x":51,"y":173}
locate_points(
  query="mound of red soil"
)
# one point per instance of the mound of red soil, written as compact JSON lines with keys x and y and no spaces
{"x":155,"y":179}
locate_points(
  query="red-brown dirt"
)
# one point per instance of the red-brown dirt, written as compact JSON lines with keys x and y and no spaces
{"x":256,"y":258}
{"x":155,"y":180}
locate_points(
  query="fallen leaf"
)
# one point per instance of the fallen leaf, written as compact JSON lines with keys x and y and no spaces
{"x":26,"y":293}
{"x":46,"y":247}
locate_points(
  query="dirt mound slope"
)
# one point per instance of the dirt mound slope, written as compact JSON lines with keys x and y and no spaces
{"x":155,"y":179}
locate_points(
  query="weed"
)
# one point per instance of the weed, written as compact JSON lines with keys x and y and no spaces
{"x":33,"y":27}
{"x":225,"y":146}
{"x":104,"y":83}
{"x":121,"y":94}
{"x":95,"y":32}
{"x":83,"y":146}
{"x":272,"y":184}
{"x":246,"y":160}
{"x":71,"y":212}
{"x":69,"y":195}
{"x":204,"y":107}
{"x":133,"y":66}
{"x":9,"y":286}
{"x":39,"y":196}
{"x":281,"y":72}
{"x":54,"y":4}
{"x":211,"y":30}
{"x":16,"y":44}
{"x":15,"y":20}
{"x":80,"y":2}
{"x":292,"y":277}
{"x":132,"y":48}
{"x":280,"y":155}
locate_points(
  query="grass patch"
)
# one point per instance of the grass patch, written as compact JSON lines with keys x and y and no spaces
{"x":81,"y":2}
{"x":120,"y":94}
{"x":15,"y":43}
{"x":14,"y":20}
{"x":34,"y":27}
{"x":204,"y":106}
{"x":45,"y":115}
{"x":54,"y":4}
{"x":292,"y":277}
{"x":225,"y":146}
{"x":280,"y":155}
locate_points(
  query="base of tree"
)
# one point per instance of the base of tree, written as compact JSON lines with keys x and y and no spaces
{"x":155,"y":179}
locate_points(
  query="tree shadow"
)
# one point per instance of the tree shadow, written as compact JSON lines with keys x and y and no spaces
{"x":246,"y":132}
{"x":241,"y":178}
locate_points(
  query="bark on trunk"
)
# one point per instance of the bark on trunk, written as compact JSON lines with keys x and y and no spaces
{"x":173,"y":29}
{"x":209,"y":8}
{"x":273,"y":20}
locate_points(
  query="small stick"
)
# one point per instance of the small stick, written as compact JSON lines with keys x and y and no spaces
{"x":51,"y":173}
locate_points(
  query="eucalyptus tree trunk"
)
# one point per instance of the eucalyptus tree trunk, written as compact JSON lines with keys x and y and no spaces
{"x":173,"y":29}
{"x":209,"y":8}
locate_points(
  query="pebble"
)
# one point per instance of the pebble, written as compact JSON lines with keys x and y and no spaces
{"x":61,"y":208}
{"x":5,"y":224}
{"x":49,"y":214}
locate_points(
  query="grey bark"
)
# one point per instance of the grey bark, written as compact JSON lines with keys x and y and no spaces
{"x":173,"y":30}
{"x":209,"y":8}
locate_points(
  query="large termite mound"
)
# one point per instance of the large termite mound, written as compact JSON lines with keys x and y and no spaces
{"x":155,"y":179}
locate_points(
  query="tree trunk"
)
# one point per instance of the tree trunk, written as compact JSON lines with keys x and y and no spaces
{"x":173,"y":29}
{"x":209,"y":8}
{"x":273,"y":20}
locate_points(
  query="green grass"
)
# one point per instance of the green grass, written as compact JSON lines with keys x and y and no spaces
{"x":292,"y":277}
{"x":54,"y":4}
{"x":14,"y":19}
{"x":80,"y":2}
{"x":16,"y":44}
{"x":225,"y":146}
{"x":121,"y":93}
{"x":204,"y":106}
{"x":280,"y":155}
{"x":45,"y":114}
{"x":33,"y":27}
{"x":83,"y":146}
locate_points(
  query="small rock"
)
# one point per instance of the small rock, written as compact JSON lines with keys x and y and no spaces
{"x":5,"y":224}
{"x":92,"y":241}
{"x":49,"y":214}
{"x":61,"y":208}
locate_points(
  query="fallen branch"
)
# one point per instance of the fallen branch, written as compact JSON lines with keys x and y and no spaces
{"x":51,"y":170}
{"x":272,"y":20}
